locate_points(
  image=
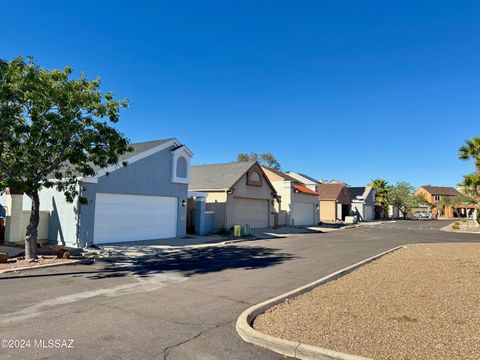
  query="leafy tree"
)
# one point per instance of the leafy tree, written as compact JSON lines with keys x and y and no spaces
{"x":403,"y":196}
{"x":445,"y":202}
{"x":54,"y":130}
{"x":382,"y":198}
{"x":471,"y":182}
{"x":266,"y":159}
{"x":422,"y":200}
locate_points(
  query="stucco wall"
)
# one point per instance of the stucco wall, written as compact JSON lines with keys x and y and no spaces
{"x":62,"y":226}
{"x":370,"y":200}
{"x":221,"y":203}
{"x":150,"y":176}
{"x":284,"y":189}
{"x":328,"y":210}
{"x":241,"y":189}
{"x":18,"y":216}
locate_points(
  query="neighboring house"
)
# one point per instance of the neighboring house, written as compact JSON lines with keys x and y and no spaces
{"x":308,"y":181}
{"x":299,"y":203}
{"x":435,"y":194}
{"x":335,"y":202}
{"x":238,"y":192}
{"x":363,"y":202}
{"x":144,"y":200}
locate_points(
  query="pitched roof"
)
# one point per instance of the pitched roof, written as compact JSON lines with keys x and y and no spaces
{"x":217,"y":176}
{"x":330,"y":191}
{"x":139,"y":148}
{"x":356,"y":191}
{"x":297,"y":176}
{"x":441,"y":190}
{"x":303,"y":189}
{"x":279,"y":174}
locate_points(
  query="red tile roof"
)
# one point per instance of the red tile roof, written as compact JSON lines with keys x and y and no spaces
{"x":304,"y":189}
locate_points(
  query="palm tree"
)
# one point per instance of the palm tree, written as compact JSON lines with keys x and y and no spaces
{"x":471,"y":151}
{"x":472,"y":181}
{"x":382,"y":198}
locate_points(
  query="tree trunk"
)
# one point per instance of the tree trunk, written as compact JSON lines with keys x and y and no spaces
{"x":477,"y":191}
{"x":32,"y":228}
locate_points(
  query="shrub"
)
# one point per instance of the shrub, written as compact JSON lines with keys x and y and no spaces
{"x":456,"y":226}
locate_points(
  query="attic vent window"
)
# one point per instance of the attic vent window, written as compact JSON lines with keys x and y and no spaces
{"x":182,"y":167}
{"x":254,"y":176}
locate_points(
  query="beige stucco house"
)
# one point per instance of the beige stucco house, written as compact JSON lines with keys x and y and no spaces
{"x":298,"y":204}
{"x":238,"y":192}
{"x":335,"y":202}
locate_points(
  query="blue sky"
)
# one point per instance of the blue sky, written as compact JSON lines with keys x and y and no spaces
{"x":351,"y":90}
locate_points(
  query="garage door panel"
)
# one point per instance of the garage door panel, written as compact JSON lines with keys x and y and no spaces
{"x":304,"y":213}
{"x":121,"y":218}
{"x":255,"y":212}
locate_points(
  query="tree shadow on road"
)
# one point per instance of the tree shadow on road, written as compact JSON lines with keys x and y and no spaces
{"x":187,"y":262}
{"x":197,"y":261}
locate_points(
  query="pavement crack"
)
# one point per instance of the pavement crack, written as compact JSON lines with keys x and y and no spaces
{"x":219,"y":296}
{"x":168,"y":349}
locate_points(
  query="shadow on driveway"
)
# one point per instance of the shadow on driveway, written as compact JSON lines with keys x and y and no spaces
{"x":188,"y":262}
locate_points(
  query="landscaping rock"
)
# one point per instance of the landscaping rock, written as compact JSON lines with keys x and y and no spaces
{"x":3,"y":258}
{"x":63,"y":254}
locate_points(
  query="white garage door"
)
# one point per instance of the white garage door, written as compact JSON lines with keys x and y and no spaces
{"x":121,"y":217}
{"x":304,"y":213}
{"x":255,"y":212}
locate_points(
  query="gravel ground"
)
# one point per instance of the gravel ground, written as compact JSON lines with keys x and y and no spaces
{"x":25,"y":263}
{"x":422,"y":302}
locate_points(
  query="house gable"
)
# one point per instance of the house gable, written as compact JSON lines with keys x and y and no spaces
{"x":257,"y":187}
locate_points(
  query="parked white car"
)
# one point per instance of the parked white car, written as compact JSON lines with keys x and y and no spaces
{"x":422,"y":215}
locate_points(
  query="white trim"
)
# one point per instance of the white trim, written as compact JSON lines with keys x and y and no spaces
{"x":184,"y":152}
{"x":130,"y":160}
{"x":197,"y":194}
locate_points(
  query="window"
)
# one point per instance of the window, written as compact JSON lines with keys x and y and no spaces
{"x":254,"y":178}
{"x":181,"y":167}
{"x":437,"y":198}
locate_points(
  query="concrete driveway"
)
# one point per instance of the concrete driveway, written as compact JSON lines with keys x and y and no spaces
{"x":184,"y":304}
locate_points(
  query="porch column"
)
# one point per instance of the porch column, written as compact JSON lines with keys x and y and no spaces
{"x":200,"y":228}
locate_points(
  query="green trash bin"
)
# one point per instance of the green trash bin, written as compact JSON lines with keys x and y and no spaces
{"x":237,"y":230}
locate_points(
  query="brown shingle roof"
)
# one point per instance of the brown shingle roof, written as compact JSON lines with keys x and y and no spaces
{"x":441,"y":190}
{"x":332,"y":192}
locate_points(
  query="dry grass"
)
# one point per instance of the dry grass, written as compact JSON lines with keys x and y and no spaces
{"x":422,"y":302}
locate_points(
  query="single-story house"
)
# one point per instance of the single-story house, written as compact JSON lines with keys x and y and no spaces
{"x":335,"y":202}
{"x":238,"y":192}
{"x":363,"y":202}
{"x":299,"y":204}
{"x":144,"y":200}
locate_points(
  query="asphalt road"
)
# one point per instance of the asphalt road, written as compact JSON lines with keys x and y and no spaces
{"x":183,"y":305}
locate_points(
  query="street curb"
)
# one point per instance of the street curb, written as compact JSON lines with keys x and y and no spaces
{"x":39,"y":266}
{"x":290,"y":348}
